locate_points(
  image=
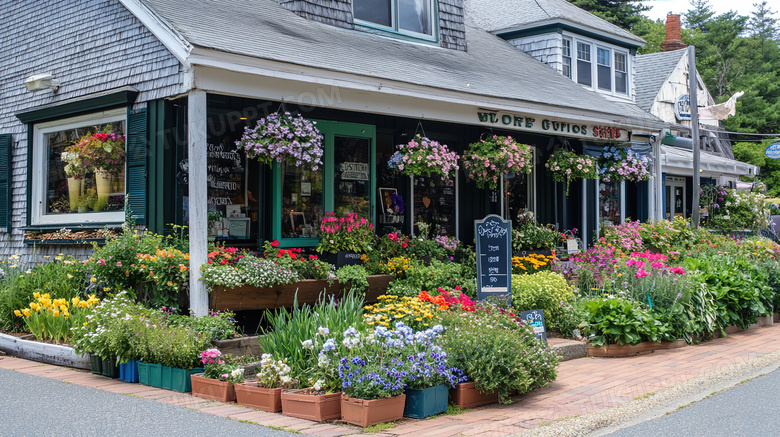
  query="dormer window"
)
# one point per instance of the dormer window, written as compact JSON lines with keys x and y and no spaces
{"x":408,"y":17}
{"x":609,"y":74}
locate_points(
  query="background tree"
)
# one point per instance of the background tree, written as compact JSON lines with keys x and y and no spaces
{"x":623,"y":13}
{"x":700,"y":13}
{"x":763,"y":25}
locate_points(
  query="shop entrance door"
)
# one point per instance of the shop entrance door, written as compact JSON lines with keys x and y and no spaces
{"x":675,"y":197}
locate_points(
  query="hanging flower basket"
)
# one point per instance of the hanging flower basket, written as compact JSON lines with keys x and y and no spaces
{"x":565,"y":165}
{"x":422,"y":156}
{"x":622,"y":165}
{"x":487,"y":160}
{"x":284,"y":137}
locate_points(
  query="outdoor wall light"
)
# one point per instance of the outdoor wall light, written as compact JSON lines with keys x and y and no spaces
{"x":41,"y":82}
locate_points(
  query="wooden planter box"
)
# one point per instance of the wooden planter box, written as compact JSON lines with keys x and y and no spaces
{"x":628,"y":350}
{"x":239,"y":347}
{"x":313,"y":407}
{"x":248,"y":297}
{"x":362,"y":412}
{"x":465,"y":395}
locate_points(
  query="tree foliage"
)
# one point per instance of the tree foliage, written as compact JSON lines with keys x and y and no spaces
{"x":623,"y":13}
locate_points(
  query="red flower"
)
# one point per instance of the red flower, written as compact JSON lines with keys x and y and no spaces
{"x":294,"y":255}
{"x":275,"y":243}
{"x":313,"y":257}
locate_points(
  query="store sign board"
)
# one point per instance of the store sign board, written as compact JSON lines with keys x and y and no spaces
{"x":682,"y":107}
{"x":550,"y":126}
{"x":773,"y":151}
{"x":494,"y":257}
{"x":535,"y":318}
{"x":354,"y":171}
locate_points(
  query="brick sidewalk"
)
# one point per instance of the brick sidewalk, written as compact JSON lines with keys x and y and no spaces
{"x":583,"y":386}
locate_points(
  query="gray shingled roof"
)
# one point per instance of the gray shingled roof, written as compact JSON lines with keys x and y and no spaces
{"x":651,"y":72}
{"x":502,"y":15}
{"x":491,"y":67}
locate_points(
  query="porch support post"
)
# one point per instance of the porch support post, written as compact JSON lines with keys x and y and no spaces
{"x":198,"y":223}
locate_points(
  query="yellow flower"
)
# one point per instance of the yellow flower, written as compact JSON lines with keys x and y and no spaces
{"x":26,"y":312}
{"x":92,"y":279}
{"x":70,"y":276}
{"x":56,"y":313}
{"x":35,"y":306}
{"x":36,"y":295}
{"x":85,"y":324}
{"x":18,"y":313}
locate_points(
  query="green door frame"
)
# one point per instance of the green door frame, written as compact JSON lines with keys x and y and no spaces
{"x":329,"y":130}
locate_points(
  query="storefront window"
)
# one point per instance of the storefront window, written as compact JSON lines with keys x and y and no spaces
{"x":609,"y":203}
{"x":79,"y":170}
{"x":302,"y":206}
{"x":351,"y":191}
{"x":434,"y":206}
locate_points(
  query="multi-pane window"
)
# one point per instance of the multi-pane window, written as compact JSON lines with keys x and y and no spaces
{"x":567,"y":58}
{"x":413,"y":17}
{"x":583,"y":64}
{"x":604,"y":69}
{"x":621,"y":73}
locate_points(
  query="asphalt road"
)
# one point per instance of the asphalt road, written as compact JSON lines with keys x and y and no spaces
{"x":36,"y":406}
{"x":748,"y":409}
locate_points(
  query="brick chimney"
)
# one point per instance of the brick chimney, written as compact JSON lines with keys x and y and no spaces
{"x":673,"y":35}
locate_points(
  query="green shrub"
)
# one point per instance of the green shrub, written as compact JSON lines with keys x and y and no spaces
{"x":353,"y":277}
{"x":620,"y":321}
{"x":496,"y":352}
{"x":546,"y":291}
{"x":216,"y":326}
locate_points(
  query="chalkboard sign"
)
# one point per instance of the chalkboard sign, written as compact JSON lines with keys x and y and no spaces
{"x":535,"y":318}
{"x":494,"y":256}
{"x":226,"y":176}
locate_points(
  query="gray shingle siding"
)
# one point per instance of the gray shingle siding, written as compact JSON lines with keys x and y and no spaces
{"x":90,"y":46}
{"x":452,"y":28}
{"x":333,"y":12}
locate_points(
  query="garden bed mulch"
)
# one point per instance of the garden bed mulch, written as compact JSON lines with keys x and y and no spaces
{"x":628,"y":350}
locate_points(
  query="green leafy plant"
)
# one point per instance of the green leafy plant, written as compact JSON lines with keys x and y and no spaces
{"x":620,"y":321}
{"x":216,"y":367}
{"x":546,"y":291}
{"x":497,"y":352}
{"x":530,"y":235}
{"x":353,"y":277}
{"x":290,"y":328}
{"x":216,"y":326}
{"x":350,"y":233}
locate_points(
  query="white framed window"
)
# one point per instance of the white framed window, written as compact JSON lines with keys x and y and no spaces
{"x":584,"y":65}
{"x":621,"y":73}
{"x":604,"y":69}
{"x":608,"y":74}
{"x":408,"y":17}
{"x":79,"y":188}
{"x":566,"y":61}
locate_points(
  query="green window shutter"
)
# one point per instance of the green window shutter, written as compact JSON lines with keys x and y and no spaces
{"x":137,"y":151}
{"x":6,"y":169}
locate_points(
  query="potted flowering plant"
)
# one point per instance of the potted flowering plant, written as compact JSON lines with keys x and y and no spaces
{"x":565,"y":165}
{"x":622,"y":165}
{"x":265,"y":393}
{"x":422,"y":156}
{"x":487,"y":160}
{"x":75,"y":171}
{"x":284,"y":137}
{"x":347,"y":237}
{"x":216,"y":381}
{"x":104,"y":153}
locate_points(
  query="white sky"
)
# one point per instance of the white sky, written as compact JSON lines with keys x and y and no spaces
{"x":743,"y":7}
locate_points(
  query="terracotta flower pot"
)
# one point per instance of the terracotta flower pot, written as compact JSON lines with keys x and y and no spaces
{"x":467,"y":396}
{"x":249,"y":394}
{"x":362,"y":412}
{"x":208,"y":388}
{"x":313,"y":407}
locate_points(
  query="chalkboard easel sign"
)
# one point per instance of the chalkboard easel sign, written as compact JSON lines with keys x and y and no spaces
{"x":494,"y":257}
{"x":535,"y":318}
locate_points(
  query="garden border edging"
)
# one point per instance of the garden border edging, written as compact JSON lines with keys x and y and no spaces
{"x":43,"y":352}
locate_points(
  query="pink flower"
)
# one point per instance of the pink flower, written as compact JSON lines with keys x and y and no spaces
{"x":678,"y":270}
{"x":641,"y":273}
{"x":657,"y":265}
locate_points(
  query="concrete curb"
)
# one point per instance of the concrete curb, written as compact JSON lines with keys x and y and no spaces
{"x":43,"y":352}
{"x":571,"y":350}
